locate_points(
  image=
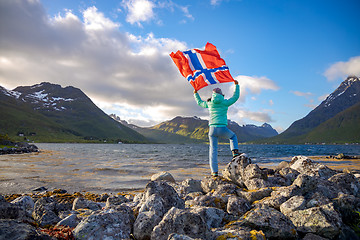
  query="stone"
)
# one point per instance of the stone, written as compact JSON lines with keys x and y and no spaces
{"x":11,"y":211}
{"x":169,"y":197}
{"x":347,"y":182}
{"x":165,"y":176}
{"x":114,"y":201}
{"x":80,"y":203}
{"x":311,"y":236}
{"x":209,"y":201}
{"x":180,"y":221}
{"x":175,"y":236}
{"x":237,"y":206}
{"x":281,"y":165}
{"x":273,"y":223}
{"x":154,"y":203}
{"x":323,"y":221}
{"x":305,"y":165}
{"x":13,"y":230}
{"x":254,"y":195}
{"x":234,"y":170}
{"x":294,"y":203}
{"x":213,"y":217}
{"x":189,"y":186}
{"x":44,"y":211}
{"x":317,"y":200}
{"x":289,"y":174}
{"x":256,"y":183}
{"x":145,"y":223}
{"x":107,"y":224}
{"x":234,"y":231}
{"x":209,"y":183}
{"x":70,"y":221}
{"x":345,"y":204}
{"x":25,"y":202}
{"x":253,"y":171}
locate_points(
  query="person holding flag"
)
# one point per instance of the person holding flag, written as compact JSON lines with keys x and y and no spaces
{"x":218,"y":107}
{"x":203,"y":68}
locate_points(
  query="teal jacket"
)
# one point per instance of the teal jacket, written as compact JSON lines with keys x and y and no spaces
{"x":218,"y":106}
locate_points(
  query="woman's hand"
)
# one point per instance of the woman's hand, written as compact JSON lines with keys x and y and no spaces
{"x":236,"y":82}
{"x":195,"y":91}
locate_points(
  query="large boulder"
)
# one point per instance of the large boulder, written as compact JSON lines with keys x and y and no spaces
{"x":165,"y":194}
{"x":347,"y":183}
{"x":107,"y":224}
{"x":237,"y":206}
{"x":45,"y":211}
{"x":14,"y":230}
{"x":323,"y":221}
{"x":80,"y":203}
{"x":145,"y":223}
{"x":273,"y":223}
{"x":181,"y":221}
{"x":164,"y":176}
{"x":234,"y":170}
{"x":305,"y":165}
{"x":213,"y":217}
{"x":293,"y":204}
{"x":254,"y":195}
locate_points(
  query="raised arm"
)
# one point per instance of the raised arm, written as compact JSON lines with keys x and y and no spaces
{"x":199,"y":101}
{"x":236,"y":94}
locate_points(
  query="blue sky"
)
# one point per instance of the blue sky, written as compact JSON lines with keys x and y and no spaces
{"x":287,"y":55}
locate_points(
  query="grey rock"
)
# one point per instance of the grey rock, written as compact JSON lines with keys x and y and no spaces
{"x":70,"y":221}
{"x":209,"y":200}
{"x":154,"y":203}
{"x":192,"y":196}
{"x":17,"y":230}
{"x":288,"y":174}
{"x":209,"y":183}
{"x":305,"y":165}
{"x":114,"y":201}
{"x":273,"y":223}
{"x":317,"y":200}
{"x":175,"y":236}
{"x":80,"y":203}
{"x":181,"y":221}
{"x":234,"y":230}
{"x":44,"y":211}
{"x":347,"y":182}
{"x":306,"y":183}
{"x":25,"y":202}
{"x":254,"y":195}
{"x":169,"y":197}
{"x":107,"y":224}
{"x":311,"y":236}
{"x":256,"y":183}
{"x":253,"y":171}
{"x":323,"y":221}
{"x":234,"y":170}
{"x":165,"y":176}
{"x":189,"y":186}
{"x":346,"y":204}
{"x":237,"y":206}
{"x":145,"y":223}
{"x":11,"y":211}
{"x":293,"y":204}
{"x":213,"y":217}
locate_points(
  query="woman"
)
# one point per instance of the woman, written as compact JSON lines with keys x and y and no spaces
{"x":218,"y":107}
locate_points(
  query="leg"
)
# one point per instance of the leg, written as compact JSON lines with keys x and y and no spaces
{"x":213,"y":149}
{"x":225,"y":132}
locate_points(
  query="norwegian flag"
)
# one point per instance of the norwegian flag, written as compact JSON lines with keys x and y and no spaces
{"x":202,"y":67}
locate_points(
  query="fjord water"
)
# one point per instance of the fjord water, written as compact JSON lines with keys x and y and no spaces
{"x":118,"y":167}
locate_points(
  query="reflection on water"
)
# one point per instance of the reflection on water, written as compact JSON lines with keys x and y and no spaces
{"x":115,"y":167}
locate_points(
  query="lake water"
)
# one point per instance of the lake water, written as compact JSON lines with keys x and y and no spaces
{"x":118,"y":167}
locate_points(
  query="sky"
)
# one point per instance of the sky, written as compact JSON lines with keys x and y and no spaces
{"x":287,"y":55}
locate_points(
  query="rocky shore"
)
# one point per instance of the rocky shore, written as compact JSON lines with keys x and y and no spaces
{"x":17,"y":147}
{"x":301,"y":199}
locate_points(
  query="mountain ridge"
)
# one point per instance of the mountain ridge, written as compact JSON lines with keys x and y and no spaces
{"x":49,"y":112}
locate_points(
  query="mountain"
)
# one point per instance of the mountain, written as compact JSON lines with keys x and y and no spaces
{"x":195,"y":130}
{"x":50,"y":113}
{"x":331,"y":121}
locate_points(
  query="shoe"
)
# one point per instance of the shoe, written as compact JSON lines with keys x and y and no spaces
{"x":215,"y":174}
{"x":235,"y":152}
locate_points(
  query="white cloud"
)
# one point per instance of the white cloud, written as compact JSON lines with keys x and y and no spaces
{"x":301,"y":94}
{"x":131,"y":76}
{"x":239,"y":114}
{"x":139,"y":10}
{"x":343,"y":69}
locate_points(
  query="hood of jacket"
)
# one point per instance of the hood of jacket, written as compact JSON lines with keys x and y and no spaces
{"x":217,"y":98}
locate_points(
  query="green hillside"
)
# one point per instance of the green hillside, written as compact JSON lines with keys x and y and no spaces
{"x":66,"y":115}
{"x":343,"y":128}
